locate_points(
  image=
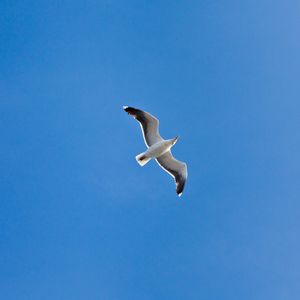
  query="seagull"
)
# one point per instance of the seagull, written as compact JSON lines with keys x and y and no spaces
{"x":158,"y":148}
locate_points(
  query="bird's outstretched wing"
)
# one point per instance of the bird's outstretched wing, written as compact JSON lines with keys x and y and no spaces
{"x":177,"y":169}
{"x":149,"y":125}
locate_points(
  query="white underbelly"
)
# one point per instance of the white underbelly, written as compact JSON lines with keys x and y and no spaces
{"x":158,"y":149}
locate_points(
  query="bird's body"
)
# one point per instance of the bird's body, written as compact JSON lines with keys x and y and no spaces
{"x":155,"y":151}
{"x":158,"y":148}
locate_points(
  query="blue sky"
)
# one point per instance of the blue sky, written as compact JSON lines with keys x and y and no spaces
{"x":80,"y":219}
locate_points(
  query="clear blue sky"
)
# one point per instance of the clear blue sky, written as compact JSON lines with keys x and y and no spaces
{"x":79,"y":219}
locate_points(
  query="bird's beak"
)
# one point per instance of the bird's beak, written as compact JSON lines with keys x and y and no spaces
{"x":175,"y":139}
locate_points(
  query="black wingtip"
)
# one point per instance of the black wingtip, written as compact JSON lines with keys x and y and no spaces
{"x":126,"y":108}
{"x":179,"y":194}
{"x":180,"y":187}
{"x":132,"y":111}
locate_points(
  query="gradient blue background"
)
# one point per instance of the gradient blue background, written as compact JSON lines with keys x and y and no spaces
{"x":79,"y":219}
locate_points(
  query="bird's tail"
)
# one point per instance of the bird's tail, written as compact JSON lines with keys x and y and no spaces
{"x":142,"y":159}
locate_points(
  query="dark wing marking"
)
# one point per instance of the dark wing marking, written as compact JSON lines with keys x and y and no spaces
{"x":149,"y":125}
{"x":177,"y":169}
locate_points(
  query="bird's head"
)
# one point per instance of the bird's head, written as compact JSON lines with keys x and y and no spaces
{"x":174,"y":140}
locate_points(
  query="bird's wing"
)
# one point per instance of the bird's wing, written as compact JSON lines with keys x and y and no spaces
{"x":149,"y":125}
{"x":177,"y":169}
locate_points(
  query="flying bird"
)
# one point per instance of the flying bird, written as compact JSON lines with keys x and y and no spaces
{"x":158,"y":148}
